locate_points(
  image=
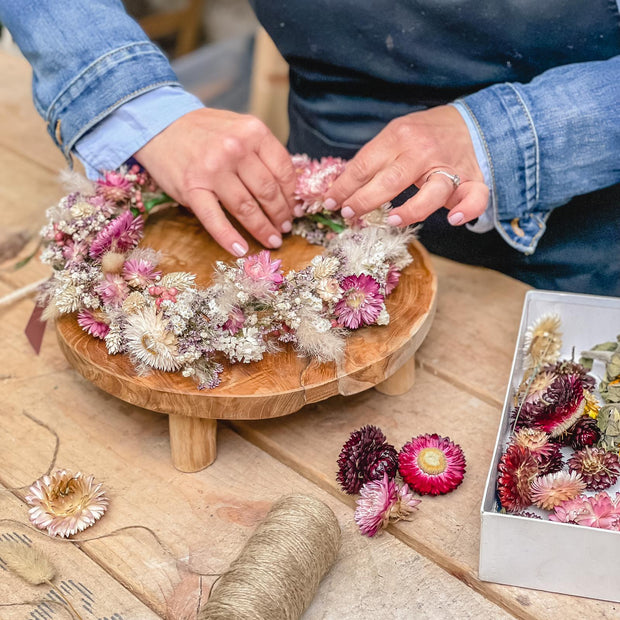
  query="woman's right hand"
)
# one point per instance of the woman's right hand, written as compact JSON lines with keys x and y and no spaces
{"x":211,"y":160}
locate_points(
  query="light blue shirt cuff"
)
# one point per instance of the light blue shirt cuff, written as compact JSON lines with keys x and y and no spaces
{"x":126,"y":130}
{"x":485,"y":222}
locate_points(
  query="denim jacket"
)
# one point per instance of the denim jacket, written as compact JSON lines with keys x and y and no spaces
{"x":541,"y":89}
{"x":88,"y":58}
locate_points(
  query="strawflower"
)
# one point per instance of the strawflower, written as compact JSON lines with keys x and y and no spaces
{"x":114,"y":186}
{"x":381,"y":502}
{"x":93,"y":323}
{"x":552,"y":489}
{"x":260,"y":268}
{"x":432,"y":465}
{"x":600,"y":511}
{"x":64,"y":503}
{"x":361,"y":302}
{"x":113,"y":290}
{"x":120,"y":235}
{"x":140,"y":273}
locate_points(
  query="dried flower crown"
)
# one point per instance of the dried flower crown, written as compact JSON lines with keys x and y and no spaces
{"x":165,"y":322}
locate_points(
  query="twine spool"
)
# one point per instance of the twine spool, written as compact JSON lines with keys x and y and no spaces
{"x":279,"y":569}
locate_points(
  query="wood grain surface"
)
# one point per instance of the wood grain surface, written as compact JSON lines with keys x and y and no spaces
{"x":282,"y":382}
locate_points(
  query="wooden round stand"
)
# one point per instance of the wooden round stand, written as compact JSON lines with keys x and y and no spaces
{"x":281,"y":383}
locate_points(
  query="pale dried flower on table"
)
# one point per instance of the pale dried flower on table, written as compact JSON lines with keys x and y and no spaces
{"x":64,"y":503}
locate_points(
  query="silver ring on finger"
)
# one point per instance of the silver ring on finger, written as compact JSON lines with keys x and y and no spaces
{"x":455,"y":178}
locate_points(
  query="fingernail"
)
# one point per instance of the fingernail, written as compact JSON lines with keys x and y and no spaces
{"x":456,"y":218}
{"x":238,"y":249}
{"x":347,"y":213}
{"x":298,"y":211}
{"x":330,"y":204}
{"x":274,"y":241}
{"x":287,"y":227}
{"x":394,"y":220}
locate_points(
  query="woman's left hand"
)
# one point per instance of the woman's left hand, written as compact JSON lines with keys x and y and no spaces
{"x":409,"y":151}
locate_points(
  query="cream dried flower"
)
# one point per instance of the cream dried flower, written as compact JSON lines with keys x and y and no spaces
{"x":551,"y":490}
{"x":149,"y":342}
{"x":324,"y":266}
{"x":64,"y":503}
{"x":543,"y":341}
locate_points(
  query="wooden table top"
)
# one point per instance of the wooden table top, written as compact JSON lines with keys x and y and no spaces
{"x":426,"y":568}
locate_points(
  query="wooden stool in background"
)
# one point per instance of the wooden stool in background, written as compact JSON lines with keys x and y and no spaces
{"x":183,"y":23}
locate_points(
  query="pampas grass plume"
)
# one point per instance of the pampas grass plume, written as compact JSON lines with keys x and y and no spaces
{"x":73,"y":181}
{"x":29,"y":563}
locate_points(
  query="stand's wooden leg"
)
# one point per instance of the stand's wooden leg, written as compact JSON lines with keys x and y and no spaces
{"x":400,"y":382}
{"x":192,"y":442}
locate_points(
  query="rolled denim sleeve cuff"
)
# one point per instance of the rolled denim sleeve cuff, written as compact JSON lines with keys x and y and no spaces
{"x":485,"y":222}
{"x":128,"y":128}
{"x":132,"y":69}
{"x":511,"y":143}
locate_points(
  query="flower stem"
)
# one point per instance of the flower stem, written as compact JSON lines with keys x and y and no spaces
{"x":529,"y":385}
{"x":64,"y":598}
{"x":321,"y":219}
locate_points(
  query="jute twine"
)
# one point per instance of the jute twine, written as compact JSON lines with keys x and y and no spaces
{"x":278,"y":571}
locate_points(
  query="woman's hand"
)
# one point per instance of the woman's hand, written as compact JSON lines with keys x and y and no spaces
{"x":210,"y":160}
{"x":407,"y":152}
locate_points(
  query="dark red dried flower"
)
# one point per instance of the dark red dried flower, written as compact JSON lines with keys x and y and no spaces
{"x":566,"y":367}
{"x":549,"y":460}
{"x":598,"y":468}
{"x":548,"y":455}
{"x":516,"y":470}
{"x":365,"y":456}
{"x":559,"y":408}
{"x":585,"y":432}
{"x":529,"y":515}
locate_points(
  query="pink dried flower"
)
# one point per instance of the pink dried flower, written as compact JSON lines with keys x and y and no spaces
{"x":568,"y":511}
{"x":74,"y":252}
{"x":64,"y":503}
{"x":600,"y":511}
{"x":93,"y":323}
{"x":553,"y":489}
{"x":382,"y":501}
{"x":140,"y":273}
{"x":314,"y":178}
{"x":235,"y":321}
{"x":432,"y":465}
{"x":120,"y":235}
{"x":260,"y":268}
{"x":112,"y":289}
{"x":361,"y":302}
{"x":114,"y":187}
{"x":392,"y":279}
